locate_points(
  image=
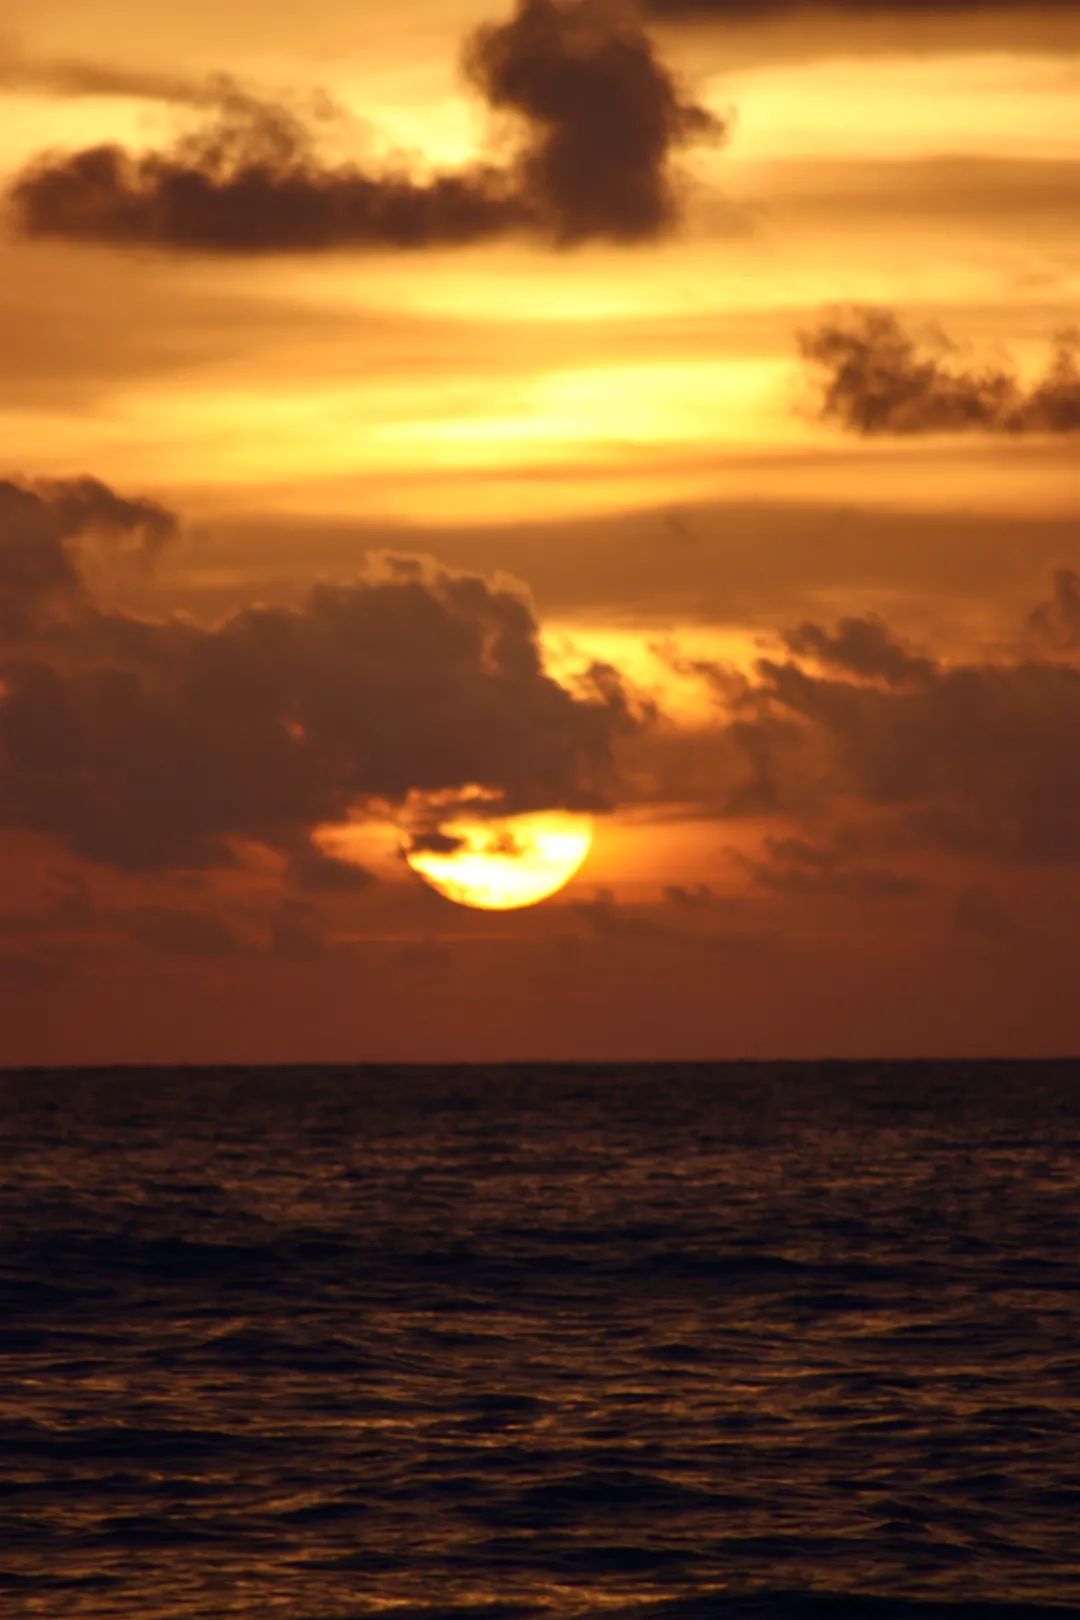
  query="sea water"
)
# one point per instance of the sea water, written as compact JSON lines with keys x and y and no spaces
{"x":747,"y":1340}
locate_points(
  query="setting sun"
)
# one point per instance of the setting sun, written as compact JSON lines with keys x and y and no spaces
{"x":508,"y":863}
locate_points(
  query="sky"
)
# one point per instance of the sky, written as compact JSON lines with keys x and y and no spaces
{"x":666,"y":415}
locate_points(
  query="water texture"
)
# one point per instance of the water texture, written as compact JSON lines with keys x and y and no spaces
{"x":687,"y":1342}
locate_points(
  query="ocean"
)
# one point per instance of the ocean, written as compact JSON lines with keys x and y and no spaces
{"x":791,"y":1340}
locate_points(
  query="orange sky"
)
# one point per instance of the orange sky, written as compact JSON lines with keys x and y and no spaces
{"x":853,"y":857}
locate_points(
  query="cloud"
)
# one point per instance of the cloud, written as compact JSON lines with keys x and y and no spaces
{"x":603,"y":113}
{"x":250,"y":182}
{"x":860,"y":646}
{"x":43,"y":527}
{"x":976,"y":758}
{"x":966,"y":758}
{"x":601,"y":118}
{"x":687,"y":899}
{"x":878,"y":378}
{"x":1056,"y":623}
{"x":158,"y":744}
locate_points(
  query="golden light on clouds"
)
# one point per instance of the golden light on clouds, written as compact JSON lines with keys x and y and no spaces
{"x":471,"y":384}
{"x":506,"y":863}
{"x":625,"y":495}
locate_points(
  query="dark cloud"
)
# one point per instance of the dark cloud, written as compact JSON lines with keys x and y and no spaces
{"x":1053,"y":404}
{"x":977,"y":758}
{"x":1056,"y":622}
{"x":969,"y":758}
{"x":147,"y":744}
{"x":44,"y":525}
{"x":860,"y":647}
{"x":604,"y":115}
{"x":601,"y":118}
{"x":687,"y":899}
{"x":251,"y":182}
{"x":877,"y":378}
{"x":426,"y":838}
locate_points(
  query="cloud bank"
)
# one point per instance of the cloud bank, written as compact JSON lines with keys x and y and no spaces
{"x":150,"y":745}
{"x":973,"y":759}
{"x":44,"y":526}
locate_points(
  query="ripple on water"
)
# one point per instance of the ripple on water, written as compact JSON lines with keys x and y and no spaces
{"x":661,"y":1344}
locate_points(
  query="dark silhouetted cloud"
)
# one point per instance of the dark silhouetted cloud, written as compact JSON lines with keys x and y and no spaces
{"x":601,"y":118}
{"x":689,"y":899}
{"x":603,"y":112}
{"x":860,"y":647}
{"x":251,"y":182}
{"x":1057,"y":622}
{"x":878,"y":378}
{"x":147,"y":744}
{"x":43,"y":524}
{"x":975,"y":758}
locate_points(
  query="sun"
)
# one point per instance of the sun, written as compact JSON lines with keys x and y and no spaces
{"x":502,"y":863}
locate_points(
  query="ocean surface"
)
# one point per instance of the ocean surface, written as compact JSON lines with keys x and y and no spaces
{"x":672,"y":1342}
